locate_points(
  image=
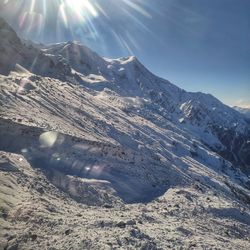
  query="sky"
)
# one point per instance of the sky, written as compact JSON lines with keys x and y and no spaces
{"x":199,"y":45}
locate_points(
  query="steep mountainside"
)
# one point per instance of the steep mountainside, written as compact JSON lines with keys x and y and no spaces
{"x":100,"y":153}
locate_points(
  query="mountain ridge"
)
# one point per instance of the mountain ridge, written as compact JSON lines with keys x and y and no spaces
{"x":104,"y":147}
{"x":127,"y":77}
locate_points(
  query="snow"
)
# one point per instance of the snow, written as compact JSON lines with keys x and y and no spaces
{"x":107,"y":160}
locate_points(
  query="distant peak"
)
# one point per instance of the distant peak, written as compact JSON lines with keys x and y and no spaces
{"x":132,"y":58}
{"x":74,"y":43}
{"x":129,"y":59}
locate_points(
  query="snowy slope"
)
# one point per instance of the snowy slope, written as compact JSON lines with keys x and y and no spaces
{"x":214,"y":122}
{"x":107,"y":150}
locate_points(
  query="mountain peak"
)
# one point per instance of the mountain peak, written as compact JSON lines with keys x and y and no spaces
{"x":8,"y":34}
{"x":10,"y":44}
{"x":83,"y":137}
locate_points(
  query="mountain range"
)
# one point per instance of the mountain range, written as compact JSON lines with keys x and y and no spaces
{"x":100,"y":153}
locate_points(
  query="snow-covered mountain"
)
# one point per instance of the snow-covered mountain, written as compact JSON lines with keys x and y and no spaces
{"x":80,"y":133}
{"x":217,"y":125}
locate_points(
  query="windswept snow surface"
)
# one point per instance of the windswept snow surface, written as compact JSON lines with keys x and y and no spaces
{"x":99,"y":153}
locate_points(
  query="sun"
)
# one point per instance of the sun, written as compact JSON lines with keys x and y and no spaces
{"x":76,"y":10}
{"x":78,"y":19}
{"x":81,"y":7}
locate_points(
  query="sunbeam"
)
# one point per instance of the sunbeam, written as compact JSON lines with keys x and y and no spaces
{"x":82,"y":19}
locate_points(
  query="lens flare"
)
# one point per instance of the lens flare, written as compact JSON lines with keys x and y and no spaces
{"x":48,"y":139}
{"x":81,"y":6}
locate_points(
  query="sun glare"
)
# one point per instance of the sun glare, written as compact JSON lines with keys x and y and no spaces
{"x":85,"y":4}
{"x":80,"y":18}
{"x":81,"y":8}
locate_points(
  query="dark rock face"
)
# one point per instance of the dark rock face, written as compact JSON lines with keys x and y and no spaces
{"x":237,"y":148}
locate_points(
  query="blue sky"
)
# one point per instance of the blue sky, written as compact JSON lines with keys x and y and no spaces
{"x":199,"y":45}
